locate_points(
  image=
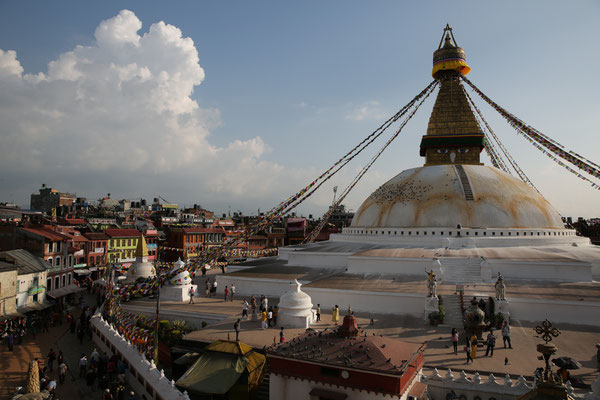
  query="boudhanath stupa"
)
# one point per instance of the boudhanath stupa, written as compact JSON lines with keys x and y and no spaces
{"x":467,"y":222}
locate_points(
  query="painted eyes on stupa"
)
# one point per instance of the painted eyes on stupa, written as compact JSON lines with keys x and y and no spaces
{"x":463,"y":150}
{"x":442,"y":151}
{"x":446,"y":151}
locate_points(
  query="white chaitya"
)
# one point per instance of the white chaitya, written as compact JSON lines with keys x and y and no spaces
{"x":177,"y":288}
{"x":295,"y":308}
{"x":141,"y":268}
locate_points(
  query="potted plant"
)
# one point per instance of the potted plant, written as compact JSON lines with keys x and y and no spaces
{"x":441,"y":314}
{"x":434,"y":317}
{"x":499,"y":320}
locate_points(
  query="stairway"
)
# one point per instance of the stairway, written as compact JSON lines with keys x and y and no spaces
{"x":461,"y":270}
{"x":454,"y":316}
{"x":262,"y":392}
{"x":464,"y":180}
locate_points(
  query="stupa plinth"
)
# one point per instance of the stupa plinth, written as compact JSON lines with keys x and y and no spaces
{"x":178,"y":287}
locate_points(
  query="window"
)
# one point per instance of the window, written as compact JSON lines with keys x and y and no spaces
{"x":49,"y":284}
{"x":70,"y":278}
{"x":56,"y":282}
{"x":64,"y":280}
{"x":57,"y":263}
{"x":50,"y":261}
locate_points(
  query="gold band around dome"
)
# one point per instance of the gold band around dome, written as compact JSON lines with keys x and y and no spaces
{"x":454,"y":64}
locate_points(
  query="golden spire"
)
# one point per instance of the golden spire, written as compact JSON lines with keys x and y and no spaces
{"x":142,"y":249}
{"x":453,"y":134}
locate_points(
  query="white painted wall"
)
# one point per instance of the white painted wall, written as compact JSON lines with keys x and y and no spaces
{"x":559,"y":271}
{"x":287,"y":388}
{"x":388,"y":265}
{"x":573,"y":312}
{"x":332,"y":260}
{"x":162,"y":386}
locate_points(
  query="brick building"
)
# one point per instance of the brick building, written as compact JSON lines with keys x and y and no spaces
{"x":49,"y":198}
{"x":121,"y":245}
{"x":8,"y":290}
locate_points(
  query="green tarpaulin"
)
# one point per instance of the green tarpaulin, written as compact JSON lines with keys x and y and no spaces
{"x":213,"y":373}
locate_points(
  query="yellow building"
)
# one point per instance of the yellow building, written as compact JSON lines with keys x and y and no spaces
{"x":121,"y":245}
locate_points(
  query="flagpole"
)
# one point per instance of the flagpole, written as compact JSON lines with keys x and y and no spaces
{"x":158,"y":284}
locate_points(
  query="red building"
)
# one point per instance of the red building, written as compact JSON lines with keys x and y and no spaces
{"x":96,"y":252}
{"x":344,"y":364}
{"x":190,"y":242}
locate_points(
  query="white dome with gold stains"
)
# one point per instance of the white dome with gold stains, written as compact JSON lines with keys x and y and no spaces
{"x":449,"y":195}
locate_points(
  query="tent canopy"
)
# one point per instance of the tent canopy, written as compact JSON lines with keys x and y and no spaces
{"x":213,"y":373}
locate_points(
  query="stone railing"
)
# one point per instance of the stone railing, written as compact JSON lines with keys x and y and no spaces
{"x":143,"y":375}
{"x":476,"y":386}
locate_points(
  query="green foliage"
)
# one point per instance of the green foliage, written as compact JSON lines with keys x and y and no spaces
{"x":434,"y":316}
{"x":164,"y":324}
{"x":441,"y":313}
{"x":204,"y":324}
{"x":181,"y":326}
{"x":499,"y":318}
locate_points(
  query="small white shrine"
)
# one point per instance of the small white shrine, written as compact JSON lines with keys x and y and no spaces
{"x":141,"y":268}
{"x":178,"y":287}
{"x":295,"y":308}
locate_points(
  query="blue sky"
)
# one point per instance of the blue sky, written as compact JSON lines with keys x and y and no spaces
{"x":311,"y":79}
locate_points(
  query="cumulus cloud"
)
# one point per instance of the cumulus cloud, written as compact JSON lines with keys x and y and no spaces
{"x":370,"y":110}
{"x":118,"y":116}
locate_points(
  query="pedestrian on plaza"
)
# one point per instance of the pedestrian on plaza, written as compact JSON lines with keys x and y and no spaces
{"x":264,"y":303}
{"x":506,"y":335}
{"x":83,"y":362}
{"x":191,"y":295}
{"x":95,"y":358}
{"x":335,"y":317}
{"x":281,"y":335}
{"x":232,"y":291}
{"x":20,"y":334}
{"x":214,"y":288}
{"x":253,"y":304}
{"x":62,"y":372}
{"x":51,"y":387}
{"x":203,"y":270}
{"x":226,"y":293}
{"x":132,"y":394}
{"x":318,"y":313}
{"x":110,"y":368}
{"x":245,"y":309}
{"x":473,"y":340}
{"x":263,"y":319}
{"x":11,"y":341}
{"x":34,"y":327}
{"x":107,"y":395}
{"x":275,"y":315}
{"x":270,"y":317}
{"x":207,"y":288}
{"x":491,"y":342}
{"x":90,"y":377}
{"x":236,"y":326}
{"x":60,"y":357}
{"x":469,"y":350}
{"x":454,"y":338}
{"x":51,"y":358}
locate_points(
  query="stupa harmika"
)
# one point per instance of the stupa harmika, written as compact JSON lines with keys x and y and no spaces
{"x":465,"y":220}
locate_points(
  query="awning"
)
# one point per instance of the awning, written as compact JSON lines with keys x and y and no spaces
{"x":82,"y":271}
{"x":213,"y":373}
{"x":56,"y":293}
{"x":92,"y":269}
{"x":33,"y":307}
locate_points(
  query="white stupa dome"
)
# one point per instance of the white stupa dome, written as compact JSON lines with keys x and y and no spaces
{"x":295,"y":302}
{"x":433,"y":196}
{"x":141,"y":268}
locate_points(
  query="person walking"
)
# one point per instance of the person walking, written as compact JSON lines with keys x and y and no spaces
{"x":245,"y":309}
{"x":83,"y":362}
{"x":506,"y":335}
{"x":214,"y":288}
{"x":207,"y":288}
{"x":473,"y":340}
{"x":191,"y":293}
{"x":62,"y":372}
{"x":232,"y":291}
{"x":491,"y":342}
{"x":318,"y":313}
{"x":90,"y":378}
{"x":469,"y":350}
{"x":236,"y":326}
{"x":226,"y":293}
{"x":454,"y":339}
{"x":51,"y":358}
{"x":264,"y":303}
{"x":281,"y":335}
{"x":11,"y":341}
{"x":263,"y":319}
{"x":253,"y":303}
{"x":61,"y":358}
{"x":270,"y":317}
{"x":335,"y":317}
{"x":107,"y":395}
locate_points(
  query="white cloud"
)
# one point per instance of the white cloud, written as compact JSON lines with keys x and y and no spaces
{"x":370,"y":110}
{"x":117,"y":116}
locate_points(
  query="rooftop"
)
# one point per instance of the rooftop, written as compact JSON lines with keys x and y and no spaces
{"x":26,"y":262}
{"x":122,"y":233}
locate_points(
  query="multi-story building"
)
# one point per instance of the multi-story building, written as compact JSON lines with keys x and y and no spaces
{"x":96,"y":249}
{"x":8,"y":289}
{"x":31,"y":279}
{"x":121,"y":245}
{"x":190,"y":242}
{"x":48,"y":199}
{"x":55,"y":249}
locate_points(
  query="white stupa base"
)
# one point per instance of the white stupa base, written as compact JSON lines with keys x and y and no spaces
{"x":177,"y":293}
{"x":294,"y":321}
{"x":432,"y":304}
